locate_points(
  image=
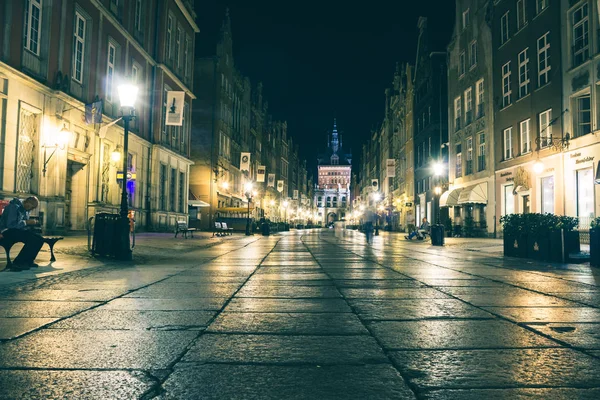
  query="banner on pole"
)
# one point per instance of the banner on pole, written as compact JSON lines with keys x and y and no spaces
{"x":271,"y":180}
{"x":391,"y":167}
{"x":175,"y":102}
{"x":280,"y":186}
{"x":245,"y":162}
{"x":375,"y":185}
{"x":260,"y":173}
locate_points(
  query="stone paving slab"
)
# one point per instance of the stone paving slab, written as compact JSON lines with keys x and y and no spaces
{"x":369,"y":274}
{"x":204,"y":280}
{"x":547,"y":314}
{"x":289,"y":323}
{"x":173,"y":291}
{"x":260,"y":278}
{"x":288,"y":291}
{"x":415,"y":309}
{"x":455,"y":334}
{"x":556,"y":286}
{"x":591,"y":298}
{"x":79,"y":349}
{"x":377,"y":284}
{"x":42,"y":309}
{"x":286,"y":270}
{"x":72,"y":385}
{"x":523,"y":300}
{"x":13,"y":327}
{"x":288,"y":305}
{"x":258,"y":382}
{"x":584,"y":336}
{"x":201,"y":304}
{"x":65,"y":295}
{"x":402,"y":293}
{"x":508,"y":368}
{"x":278,"y":349}
{"x":102,"y":319}
{"x":514,"y":394}
{"x":461,"y":282}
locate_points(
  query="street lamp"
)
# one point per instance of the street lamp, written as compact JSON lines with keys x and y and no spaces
{"x":59,"y":141}
{"x":285,"y":207}
{"x":438,"y":192}
{"x":127,"y":96}
{"x":376,"y":198}
{"x":249,"y":194}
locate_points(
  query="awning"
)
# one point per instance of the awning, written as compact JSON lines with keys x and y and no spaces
{"x":450,"y":198}
{"x":476,"y":194}
{"x":198,"y":203}
{"x":234,"y":209}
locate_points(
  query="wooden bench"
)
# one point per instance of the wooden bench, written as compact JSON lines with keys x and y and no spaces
{"x":8,"y":244}
{"x":183,"y":228}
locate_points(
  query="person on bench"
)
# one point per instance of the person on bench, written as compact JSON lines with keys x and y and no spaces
{"x":15,"y":226}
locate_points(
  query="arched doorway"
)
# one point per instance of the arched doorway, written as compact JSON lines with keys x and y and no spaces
{"x":331,"y":217}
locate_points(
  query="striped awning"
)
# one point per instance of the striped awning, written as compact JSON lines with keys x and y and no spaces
{"x":476,"y":194}
{"x":450,"y":198}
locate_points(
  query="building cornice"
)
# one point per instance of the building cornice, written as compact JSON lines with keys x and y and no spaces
{"x":174,"y":154}
{"x":187,"y":15}
{"x":108,"y":15}
{"x":175,"y":79}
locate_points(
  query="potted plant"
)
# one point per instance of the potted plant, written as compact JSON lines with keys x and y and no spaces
{"x":537,"y":229}
{"x":512,"y":228}
{"x":595,"y":242}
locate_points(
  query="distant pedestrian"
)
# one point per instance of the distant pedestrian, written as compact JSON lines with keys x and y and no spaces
{"x":368,"y":219}
{"x":16,"y":225}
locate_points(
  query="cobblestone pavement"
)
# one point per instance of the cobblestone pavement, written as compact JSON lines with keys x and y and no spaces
{"x":301,"y":315}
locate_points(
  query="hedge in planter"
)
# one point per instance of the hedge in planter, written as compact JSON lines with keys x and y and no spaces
{"x":595,"y":242}
{"x":512,"y":226}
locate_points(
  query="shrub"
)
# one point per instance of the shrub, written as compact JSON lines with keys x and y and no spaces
{"x":595,"y":224}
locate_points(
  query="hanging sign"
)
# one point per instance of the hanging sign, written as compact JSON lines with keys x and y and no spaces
{"x":271,"y":180}
{"x":245,"y":162}
{"x":375,"y":184}
{"x":391,"y":167}
{"x":175,"y":102}
{"x":280,"y":186}
{"x":260,"y":173}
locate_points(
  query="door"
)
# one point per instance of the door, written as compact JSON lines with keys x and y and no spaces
{"x":75,"y":196}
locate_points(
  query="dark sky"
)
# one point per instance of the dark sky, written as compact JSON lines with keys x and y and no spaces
{"x":320,"y":59}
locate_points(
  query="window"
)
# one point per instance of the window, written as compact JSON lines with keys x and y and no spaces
{"x":172,"y":188}
{"x":135,"y":72}
{"x":506,"y":90}
{"x":585,"y":193}
{"x":78,"y":47}
{"x":110,"y":70}
{"x":547,"y":194}
{"x":457,"y":112}
{"x":525,"y":137}
{"x":481,"y":153}
{"x":508,"y":143}
{"x":584,"y":115}
{"x":182,"y":192}
{"x":468,"y":106}
{"x":581,"y":41}
{"x":137,"y":19}
{"x":26,"y":150}
{"x":473,"y":54}
{"x":521,"y":14}
{"x":186,"y":57}
{"x":546,"y":128}
{"x":458,"y":160}
{"x":465,"y":19}
{"x":169,"y":36}
{"x":177,"y":47}
{"x":504,"y":33}
{"x":462,"y":64}
{"x":543,"y":60}
{"x":509,"y":200}
{"x":479,"y":91}
{"x":163,"y":187}
{"x":541,"y":5}
{"x":523,"y":74}
{"x":469,"y":156}
{"x":33,"y":24}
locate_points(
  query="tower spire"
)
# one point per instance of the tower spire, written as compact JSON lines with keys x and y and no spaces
{"x":334,"y":137}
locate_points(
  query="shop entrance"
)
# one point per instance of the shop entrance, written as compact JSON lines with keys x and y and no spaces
{"x":75,"y":196}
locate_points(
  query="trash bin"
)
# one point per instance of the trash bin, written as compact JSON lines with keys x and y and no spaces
{"x":265,"y":229}
{"x":437,"y":235}
{"x":107,"y":232}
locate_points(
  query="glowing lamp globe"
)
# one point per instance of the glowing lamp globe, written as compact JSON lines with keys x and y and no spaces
{"x":538,"y":167}
{"x":128,"y":95}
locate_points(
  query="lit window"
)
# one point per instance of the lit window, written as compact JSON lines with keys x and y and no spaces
{"x":584,"y":115}
{"x":78,"y":47}
{"x":547,"y":184}
{"x":543,"y":60}
{"x":33,"y":24}
{"x":509,"y":200}
{"x":585,"y":193}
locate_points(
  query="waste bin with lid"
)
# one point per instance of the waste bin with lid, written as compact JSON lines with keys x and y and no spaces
{"x":437,"y":235}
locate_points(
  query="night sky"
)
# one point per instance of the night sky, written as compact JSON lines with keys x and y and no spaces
{"x":323,"y":59}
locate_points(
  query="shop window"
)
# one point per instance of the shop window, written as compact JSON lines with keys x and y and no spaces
{"x":509,"y":200}
{"x":547,"y":184}
{"x":585,"y":193}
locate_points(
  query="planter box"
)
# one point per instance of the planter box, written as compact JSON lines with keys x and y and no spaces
{"x":554,"y":251}
{"x":572,"y":242}
{"x":595,"y":247}
{"x":537,"y":247}
{"x":521,"y":246}
{"x":509,"y":246}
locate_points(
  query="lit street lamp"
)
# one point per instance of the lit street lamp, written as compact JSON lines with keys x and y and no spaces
{"x":249,"y":194}
{"x":285,"y":207}
{"x":377,"y":199}
{"x":127,"y":96}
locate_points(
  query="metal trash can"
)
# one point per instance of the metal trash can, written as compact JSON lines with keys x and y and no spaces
{"x":437,"y":235}
{"x":265,"y":229}
{"x":106,"y":235}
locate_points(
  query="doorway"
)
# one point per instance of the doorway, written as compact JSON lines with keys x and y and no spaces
{"x":75,"y":196}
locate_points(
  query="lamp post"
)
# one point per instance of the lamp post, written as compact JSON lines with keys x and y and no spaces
{"x":285,"y":207}
{"x":438,"y":170}
{"x":127,"y":96}
{"x":249,"y":194}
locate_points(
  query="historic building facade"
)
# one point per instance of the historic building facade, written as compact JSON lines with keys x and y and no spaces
{"x":528,"y":88}
{"x":70,"y":54}
{"x":332,"y":194}
{"x":470,"y":194}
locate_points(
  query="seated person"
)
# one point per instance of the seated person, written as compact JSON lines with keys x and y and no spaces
{"x":424,"y":228}
{"x":14,"y":226}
